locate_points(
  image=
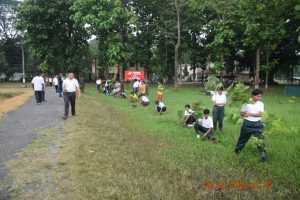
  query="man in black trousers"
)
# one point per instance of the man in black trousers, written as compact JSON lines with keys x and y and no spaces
{"x":70,"y":87}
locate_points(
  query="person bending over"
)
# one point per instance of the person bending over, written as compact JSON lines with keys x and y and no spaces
{"x":160,"y":107}
{"x":145,"y":101}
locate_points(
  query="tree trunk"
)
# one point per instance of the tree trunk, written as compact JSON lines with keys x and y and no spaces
{"x":257,"y":69}
{"x":178,"y":43}
{"x":267,"y":70}
{"x":194,"y":73}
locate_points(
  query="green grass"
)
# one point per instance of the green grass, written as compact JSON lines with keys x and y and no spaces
{"x":190,"y":154}
{"x":112,"y":151}
{"x":6,"y":95}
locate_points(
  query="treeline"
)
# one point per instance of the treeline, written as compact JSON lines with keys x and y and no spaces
{"x":160,"y":34}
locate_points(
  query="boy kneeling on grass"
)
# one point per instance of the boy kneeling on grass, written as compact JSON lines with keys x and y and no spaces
{"x":160,"y":107}
{"x":206,"y":126}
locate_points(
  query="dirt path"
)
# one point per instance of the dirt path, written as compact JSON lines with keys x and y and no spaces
{"x":17,"y":128}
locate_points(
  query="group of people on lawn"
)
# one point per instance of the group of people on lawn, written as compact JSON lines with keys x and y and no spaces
{"x":252,"y":112}
{"x":205,"y":127}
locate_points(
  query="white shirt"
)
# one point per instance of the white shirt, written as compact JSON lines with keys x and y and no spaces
{"x":70,"y":85}
{"x":136,"y":84}
{"x":38,"y":83}
{"x":50,"y":80}
{"x":207,"y":123}
{"x":161,"y":105}
{"x":55,"y":80}
{"x":145,"y":99}
{"x":219,"y":99}
{"x":188,"y":113}
{"x":253,"y":108}
{"x":98,"y":82}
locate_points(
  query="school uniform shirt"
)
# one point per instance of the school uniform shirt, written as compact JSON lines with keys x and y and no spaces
{"x":70,"y":85}
{"x":98,"y":82}
{"x":253,"y":108}
{"x":55,"y":81}
{"x":38,"y":83}
{"x":161,"y":105}
{"x":136,"y":84}
{"x":207,"y":123}
{"x":145,"y":99}
{"x":219,"y":99}
{"x":188,"y":113}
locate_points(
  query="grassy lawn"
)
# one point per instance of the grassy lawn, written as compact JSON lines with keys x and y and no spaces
{"x":112,"y":151}
{"x":14,"y":85}
{"x":8,"y":94}
{"x":193,"y":156}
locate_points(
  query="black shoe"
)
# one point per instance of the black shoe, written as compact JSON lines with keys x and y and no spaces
{"x":65,"y":117}
{"x":73,"y":115}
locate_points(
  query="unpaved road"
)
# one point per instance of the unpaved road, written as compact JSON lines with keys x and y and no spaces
{"x":17,"y":128}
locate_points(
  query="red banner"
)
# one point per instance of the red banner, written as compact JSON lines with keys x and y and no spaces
{"x":131,"y":75}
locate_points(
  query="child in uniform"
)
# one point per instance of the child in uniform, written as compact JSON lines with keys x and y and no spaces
{"x":252,"y":125}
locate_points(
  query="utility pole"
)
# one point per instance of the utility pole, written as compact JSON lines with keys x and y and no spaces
{"x":23,"y":62}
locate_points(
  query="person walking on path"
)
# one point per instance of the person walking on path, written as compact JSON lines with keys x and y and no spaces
{"x":252,"y":125}
{"x":38,"y":85}
{"x":50,"y":81}
{"x":219,"y":101}
{"x":55,"y":81}
{"x":70,"y":87}
{"x":60,"y":83}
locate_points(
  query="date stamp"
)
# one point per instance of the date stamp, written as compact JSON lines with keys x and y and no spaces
{"x":237,"y":185}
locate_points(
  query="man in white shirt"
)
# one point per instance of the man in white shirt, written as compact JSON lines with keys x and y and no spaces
{"x":206,"y":126}
{"x":136,"y":86}
{"x":70,"y":87}
{"x":145,"y":101}
{"x":98,"y":83}
{"x":38,"y":86}
{"x":160,"y":107}
{"x":252,"y":112}
{"x":55,"y":81}
{"x":219,"y":101}
{"x":189,"y":118}
{"x":50,"y":81}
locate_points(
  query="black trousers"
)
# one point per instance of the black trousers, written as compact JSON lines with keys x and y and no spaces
{"x":163,"y":109}
{"x":56,"y":89}
{"x":69,"y":98}
{"x":201,"y":129}
{"x":218,"y":116}
{"x":248,"y":129}
{"x":38,"y":96}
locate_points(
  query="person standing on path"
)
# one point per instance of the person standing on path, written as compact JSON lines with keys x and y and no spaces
{"x":55,"y":81}
{"x":70,"y":87}
{"x":38,"y":86}
{"x":50,"y":81}
{"x":60,"y":83}
{"x":252,"y":125}
{"x":219,"y":101}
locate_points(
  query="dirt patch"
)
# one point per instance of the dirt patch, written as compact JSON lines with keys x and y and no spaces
{"x":12,"y":99}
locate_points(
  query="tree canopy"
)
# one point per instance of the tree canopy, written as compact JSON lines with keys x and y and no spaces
{"x":160,"y":35}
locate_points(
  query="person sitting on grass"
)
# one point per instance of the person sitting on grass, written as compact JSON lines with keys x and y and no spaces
{"x":133,"y":98}
{"x":206,"y":126}
{"x":160,"y":107}
{"x":189,"y":117}
{"x":144,"y":101}
{"x":117,"y":89}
